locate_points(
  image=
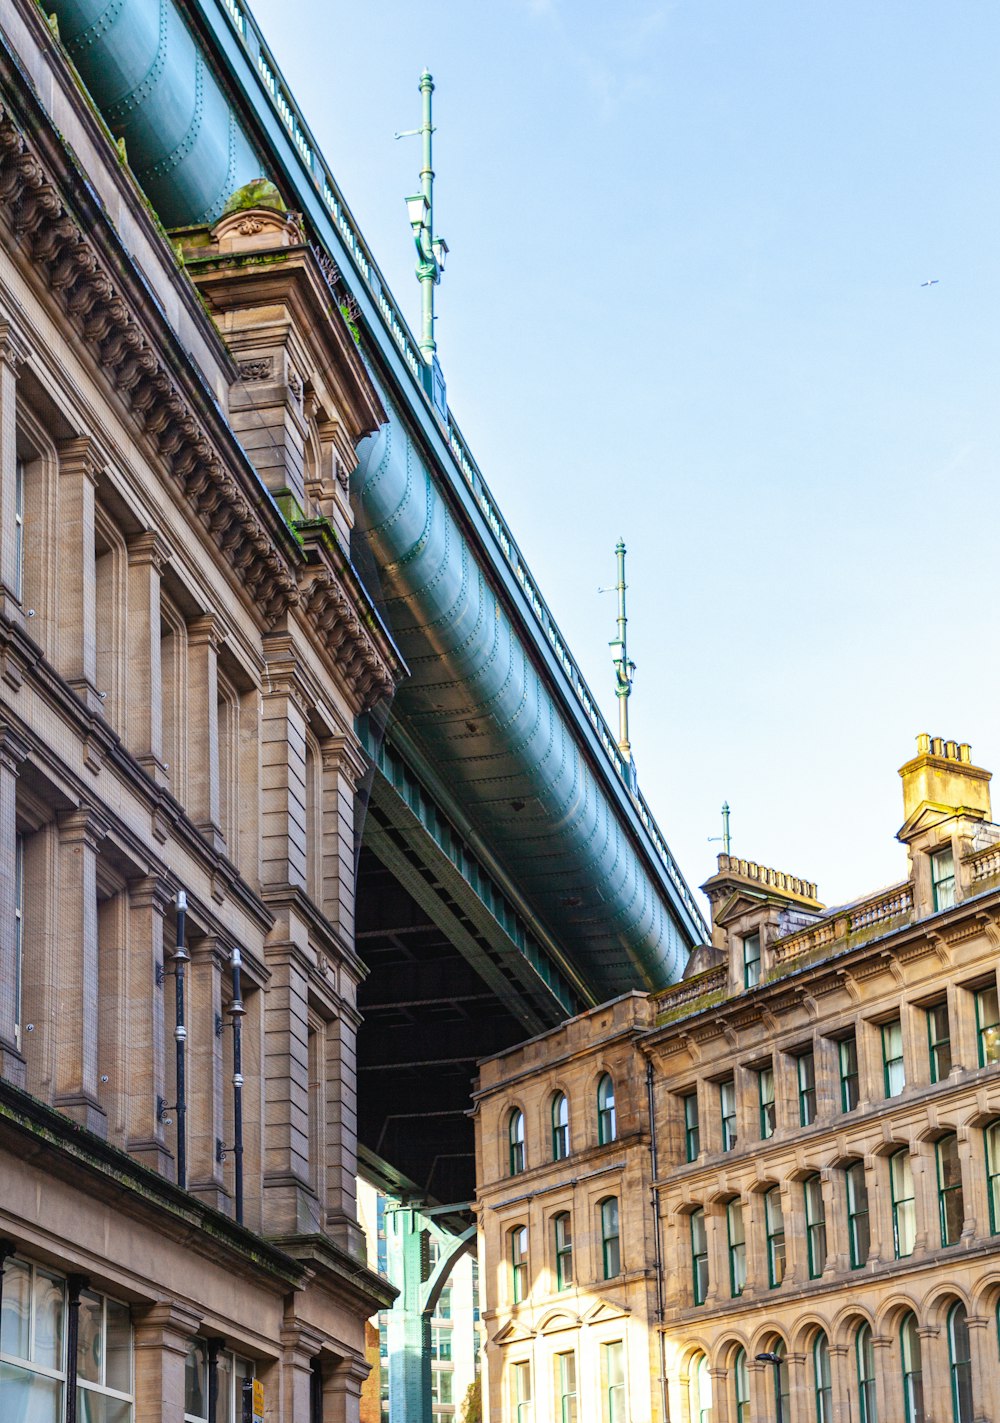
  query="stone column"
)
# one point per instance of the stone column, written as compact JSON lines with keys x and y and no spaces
{"x":204,"y":638}
{"x":981,"y":1350}
{"x":962,"y":1025}
{"x":718,"y":1262}
{"x":13,"y":351}
{"x":206,"y":1116}
{"x":283,"y":773}
{"x":147,"y":556}
{"x":290,"y":1205}
{"x":936,"y":1367}
{"x":888,"y":1375}
{"x":923,"y":1164}
{"x":844,"y":1382}
{"x":162,"y":1336}
{"x":342,"y":1131}
{"x":880,"y":1245}
{"x":299,"y":1346}
{"x":342,"y":1383}
{"x":144,"y":988}
{"x":75,"y":1021}
{"x":12,"y":1065}
{"x":76,"y":577}
{"x":871,"y":1074}
{"x":342,"y":770}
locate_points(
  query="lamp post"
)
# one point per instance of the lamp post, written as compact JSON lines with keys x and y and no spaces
{"x":431,"y":250}
{"x":624,"y":667}
{"x":776,"y":1361}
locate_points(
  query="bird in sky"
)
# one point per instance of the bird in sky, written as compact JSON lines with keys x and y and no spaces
{"x":932,"y":283}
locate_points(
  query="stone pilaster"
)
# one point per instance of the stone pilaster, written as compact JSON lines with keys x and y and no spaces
{"x":343,"y":768}
{"x":342,"y":1383}
{"x":204,"y":638}
{"x":76,"y":635}
{"x":206,"y":1114}
{"x":299,"y":1346}
{"x":12,"y":1067}
{"x":341,"y":1039}
{"x":13,"y":352}
{"x":75,"y":1019}
{"x":145,"y":1081}
{"x":283,"y":771}
{"x":290,"y":1204}
{"x":162,"y":1336}
{"x":147,"y":557}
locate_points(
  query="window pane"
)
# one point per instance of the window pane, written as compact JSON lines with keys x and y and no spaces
{"x":90,"y":1339}
{"x":48,"y":1320}
{"x":195,"y":1381}
{"x":118,"y":1351}
{"x":987,"y":1015}
{"x":99,"y":1408}
{"x":15,"y":1324}
{"x":29,"y":1398}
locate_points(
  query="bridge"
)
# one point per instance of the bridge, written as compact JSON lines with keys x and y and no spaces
{"x":511,"y":873}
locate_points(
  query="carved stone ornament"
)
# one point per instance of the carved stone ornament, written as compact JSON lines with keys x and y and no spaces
{"x":257,"y":369}
{"x":65,"y":258}
{"x":250,"y":226}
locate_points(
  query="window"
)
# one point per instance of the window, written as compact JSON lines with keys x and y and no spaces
{"x":960,"y":1359}
{"x":560,"y":1127}
{"x":515,"y":1141}
{"x":812,"y":1189}
{"x":913,"y":1381}
{"x":104,"y":1360}
{"x":607,"y":1124}
{"x":741,"y":1387}
{"x":991,"y":1141}
{"x":521,"y":1389}
{"x":951,"y":1206}
{"x":847,"y":1052}
{"x":441,"y":1345}
{"x":736,"y":1231}
{"x":18,"y":934}
{"x":441,"y":1386}
{"x":806,"y":1071}
{"x":232,"y":1372}
{"x":442,"y":1310}
{"x":613,"y":1382}
{"x":610,"y":1241}
{"x":699,"y":1256}
{"x":563,"y":1231}
{"x":751,"y":961}
{"x":519,"y":1263}
{"x":943,"y":878}
{"x":858,"y":1230}
{"x":939,"y":1041}
{"x":196,"y":1383}
{"x":692,"y":1135}
{"x":904,"y":1222}
{"x":782,"y":1390}
{"x":893,"y":1070}
{"x":565,"y":1371}
{"x":988,"y":1025}
{"x":864,"y":1350}
{"x":18,"y":589}
{"x":31,"y":1342}
{"x":775,"y":1228}
{"x":822,"y":1381}
{"x":699,"y":1390}
{"x":765,"y":1088}
{"x":727,"y":1106}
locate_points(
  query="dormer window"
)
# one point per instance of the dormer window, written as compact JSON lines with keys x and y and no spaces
{"x":943,"y":878}
{"x":751,"y":961}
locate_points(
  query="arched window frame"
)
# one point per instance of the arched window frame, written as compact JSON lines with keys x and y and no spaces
{"x":562,"y":1235}
{"x":951,"y":1199}
{"x":699,"y":1389}
{"x":699,"y":1256}
{"x":515,"y":1141}
{"x":517,"y":1250}
{"x":560,"y":1126}
{"x":815,"y":1212}
{"x":737,"y":1238}
{"x":607,"y":1117}
{"x":611,"y":1255}
{"x":774,"y":1222}
{"x":864,"y":1357}
{"x":741,"y":1387}
{"x":904,"y":1205}
{"x":991,"y":1152}
{"x":822,"y":1379}
{"x":960,"y":1363}
{"x":858,"y":1223}
{"x":911,"y":1359}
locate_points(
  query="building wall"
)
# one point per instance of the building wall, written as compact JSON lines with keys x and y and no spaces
{"x":180,"y":670}
{"x":909,"y":977}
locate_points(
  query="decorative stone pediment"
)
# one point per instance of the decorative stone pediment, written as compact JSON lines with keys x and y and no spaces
{"x":513,"y":1333}
{"x":256,"y":229}
{"x":558,"y":1320}
{"x":604,"y":1310}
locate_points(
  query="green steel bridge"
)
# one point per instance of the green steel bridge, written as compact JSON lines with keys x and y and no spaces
{"x":510,"y":871}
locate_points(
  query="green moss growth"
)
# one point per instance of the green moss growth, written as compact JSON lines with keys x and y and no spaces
{"x":258,"y":193}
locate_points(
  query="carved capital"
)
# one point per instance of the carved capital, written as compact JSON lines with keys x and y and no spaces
{"x":80,"y":456}
{"x":152,"y":892}
{"x":13,"y":751}
{"x":14,"y":346}
{"x":149,"y":547}
{"x":83,"y":826}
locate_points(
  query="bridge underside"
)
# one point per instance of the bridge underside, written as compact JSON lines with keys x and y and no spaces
{"x":428,"y":1016}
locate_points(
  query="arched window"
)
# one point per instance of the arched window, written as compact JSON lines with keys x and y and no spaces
{"x":904,"y":1207}
{"x":699,"y":1390}
{"x":913,"y":1379}
{"x":960,"y":1359}
{"x":822,"y":1382}
{"x":782,"y":1387}
{"x":774,"y":1222}
{"x":515,"y":1141}
{"x":951,"y":1205}
{"x":864,"y":1350}
{"x":560,"y":1127}
{"x":991,"y":1141}
{"x":741,"y":1387}
{"x":610,"y":1239}
{"x":518,"y":1237}
{"x":563,"y":1230}
{"x":699,"y":1256}
{"x":812,"y":1189}
{"x":607,"y":1122}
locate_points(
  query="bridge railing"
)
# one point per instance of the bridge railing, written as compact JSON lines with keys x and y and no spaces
{"x":291,"y":117}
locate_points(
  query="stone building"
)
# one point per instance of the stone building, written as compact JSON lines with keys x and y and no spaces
{"x":808,"y":1219}
{"x":184,"y":648}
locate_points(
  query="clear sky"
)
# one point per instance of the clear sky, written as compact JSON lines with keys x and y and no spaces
{"x":684,"y":304}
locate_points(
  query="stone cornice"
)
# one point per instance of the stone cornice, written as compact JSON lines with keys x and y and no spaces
{"x":184,"y":426}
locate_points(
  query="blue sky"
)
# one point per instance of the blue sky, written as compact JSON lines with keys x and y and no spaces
{"x":683,"y":304}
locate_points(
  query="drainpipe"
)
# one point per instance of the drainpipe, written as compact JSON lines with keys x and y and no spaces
{"x":657,"y":1243}
{"x":236,"y":1011}
{"x":181,"y":957}
{"x":214,"y":1347}
{"x":76,"y":1284}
